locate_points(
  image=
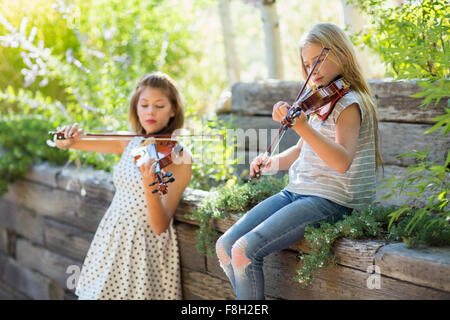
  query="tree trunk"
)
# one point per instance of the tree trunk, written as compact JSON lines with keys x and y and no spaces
{"x":353,"y":18}
{"x":272,"y":39}
{"x":232,"y":61}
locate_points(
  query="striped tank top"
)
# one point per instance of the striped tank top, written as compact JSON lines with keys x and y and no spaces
{"x":309,"y":175}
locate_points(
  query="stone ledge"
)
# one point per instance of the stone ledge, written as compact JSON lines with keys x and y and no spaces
{"x":404,"y":273}
{"x":392,"y":98}
{"x":394,"y":259}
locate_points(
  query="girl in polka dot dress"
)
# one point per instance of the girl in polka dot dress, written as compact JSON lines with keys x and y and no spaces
{"x":134,"y":253}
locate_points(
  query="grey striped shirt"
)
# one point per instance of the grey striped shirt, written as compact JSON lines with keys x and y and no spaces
{"x":309,"y":175}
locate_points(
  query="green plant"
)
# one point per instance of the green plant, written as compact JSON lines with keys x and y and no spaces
{"x":425,"y":177}
{"x":213,"y":157}
{"x":22,"y":145}
{"x":73,"y":67}
{"x":231,"y":198}
{"x":412,"y":39}
{"x":370,"y":223}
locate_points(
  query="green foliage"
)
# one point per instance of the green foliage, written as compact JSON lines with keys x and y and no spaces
{"x":79,"y":62}
{"x":425,"y":177}
{"x":213,"y":161}
{"x":231,"y":198}
{"x":22,"y":141}
{"x":412,"y":39}
{"x":371,"y":223}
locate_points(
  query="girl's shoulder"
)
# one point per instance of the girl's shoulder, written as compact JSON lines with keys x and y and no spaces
{"x":350,"y":98}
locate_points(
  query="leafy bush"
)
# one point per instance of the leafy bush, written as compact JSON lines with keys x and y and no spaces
{"x":73,"y":67}
{"x":231,"y":198}
{"x":371,"y":223}
{"x":22,"y":140}
{"x":412,"y":39}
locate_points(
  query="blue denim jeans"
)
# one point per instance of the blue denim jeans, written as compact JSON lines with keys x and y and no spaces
{"x":272,"y":225}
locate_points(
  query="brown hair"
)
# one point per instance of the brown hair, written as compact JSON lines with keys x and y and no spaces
{"x":166,"y":84}
{"x":331,"y":36}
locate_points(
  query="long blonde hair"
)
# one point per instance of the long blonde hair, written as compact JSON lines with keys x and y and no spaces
{"x":342,"y":52}
{"x":166,"y":84}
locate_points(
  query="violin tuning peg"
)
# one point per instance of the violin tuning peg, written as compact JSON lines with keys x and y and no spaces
{"x":152,"y":184}
{"x":168,"y":175}
{"x":155,"y":191}
{"x":170,"y":180}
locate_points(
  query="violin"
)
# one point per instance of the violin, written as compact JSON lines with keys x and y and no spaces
{"x":310,"y":102}
{"x":314,"y":99}
{"x":162,"y":151}
{"x":161,"y":147}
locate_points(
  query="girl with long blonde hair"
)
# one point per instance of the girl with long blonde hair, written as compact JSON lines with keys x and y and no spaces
{"x":332,"y":168}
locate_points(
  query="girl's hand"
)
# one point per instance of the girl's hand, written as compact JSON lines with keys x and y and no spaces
{"x":255,"y":164}
{"x":301,"y":119}
{"x":148,"y":173}
{"x":280,"y":110}
{"x":71,"y":134}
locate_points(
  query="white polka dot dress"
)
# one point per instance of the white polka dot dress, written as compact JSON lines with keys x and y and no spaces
{"x":126,"y":259}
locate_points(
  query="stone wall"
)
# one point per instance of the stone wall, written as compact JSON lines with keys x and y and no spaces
{"x":402,"y":121}
{"x":48,"y":219}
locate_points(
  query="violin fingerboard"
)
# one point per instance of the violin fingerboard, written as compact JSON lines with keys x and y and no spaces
{"x":153,"y":154}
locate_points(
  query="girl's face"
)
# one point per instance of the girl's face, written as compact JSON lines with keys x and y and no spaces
{"x":322,"y":74}
{"x":154,"y":110}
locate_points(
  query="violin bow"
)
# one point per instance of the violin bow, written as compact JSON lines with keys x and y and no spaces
{"x":287,"y":121}
{"x":118,"y":136}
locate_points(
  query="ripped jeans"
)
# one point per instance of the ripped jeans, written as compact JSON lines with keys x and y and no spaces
{"x":272,"y":225}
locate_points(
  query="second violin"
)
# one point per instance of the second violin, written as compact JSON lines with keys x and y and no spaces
{"x":161,"y":151}
{"x":159,"y":147}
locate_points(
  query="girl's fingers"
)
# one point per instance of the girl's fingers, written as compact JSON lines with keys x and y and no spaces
{"x":72,"y":130}
{"x":66,"y":131}
{"x":267,"y":163}
{"x":79,"y":133}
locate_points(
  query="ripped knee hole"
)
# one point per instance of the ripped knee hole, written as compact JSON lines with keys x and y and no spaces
{"x":239,"y":259}
{"x":222,"y":255}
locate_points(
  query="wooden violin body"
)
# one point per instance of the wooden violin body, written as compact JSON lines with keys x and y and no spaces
{"x":161,"y":150}
{"x":315,"y":99}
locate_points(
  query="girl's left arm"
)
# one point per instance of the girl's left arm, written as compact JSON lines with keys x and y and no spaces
{"x":162,"y":209}
{"x":337,"y":154}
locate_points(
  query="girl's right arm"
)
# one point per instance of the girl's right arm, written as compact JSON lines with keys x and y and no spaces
{"x":73,"y":141}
